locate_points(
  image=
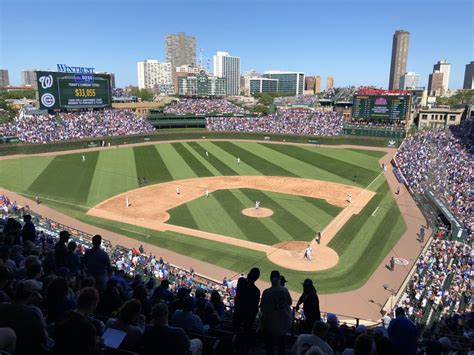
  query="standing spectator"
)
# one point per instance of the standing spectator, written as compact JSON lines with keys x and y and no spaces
{"x":403,"y":333}
{"x":246,"y":309}
{"x":161,"y":338}
{"x":60,"y":249}
{"x":97,"y":263}
{"x":73,"y":261}
{"x":277,"y":316}
{"x":28,"y":232}
{"x":310,"y":300}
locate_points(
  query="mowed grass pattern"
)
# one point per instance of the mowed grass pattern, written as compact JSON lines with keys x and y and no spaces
{"x":361,"y":244}
{"x":294,"y":217}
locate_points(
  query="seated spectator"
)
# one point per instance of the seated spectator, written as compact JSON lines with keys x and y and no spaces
{"x":87,"y":302}
{"x":216,"y":301}
{"x":7,"y":340}
{"x":186,"y":319}
{"x":335,"y":336}
{"x":363,"y":346}
{"x":26,"y":320}
{"x":161,"y":338}
{"x":141,"y":295}
{"x":403,"y":333}
{"x":306,"y":341}
{"x":57,"y":302}
{"x":75,"y":335}
{"x":110,"y":300}
{"x":130,"y":321}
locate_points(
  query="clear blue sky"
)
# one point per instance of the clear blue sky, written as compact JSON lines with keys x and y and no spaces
{"x":350,"y":40}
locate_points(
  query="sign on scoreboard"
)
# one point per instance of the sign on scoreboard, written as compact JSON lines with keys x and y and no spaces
{"x":58,"y":90}
{"x":384,"y":107}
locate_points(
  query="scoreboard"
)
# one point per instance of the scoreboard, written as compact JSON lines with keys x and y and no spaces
{"x":382,"y":107}
{"x":58,"y":90}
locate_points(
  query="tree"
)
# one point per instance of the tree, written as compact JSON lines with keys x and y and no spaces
{"x":459,"y":100}
{"x":143,"y":94}
{"x":18,"y":94}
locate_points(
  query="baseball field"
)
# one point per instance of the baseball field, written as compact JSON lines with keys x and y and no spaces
{"x":302,"y":190}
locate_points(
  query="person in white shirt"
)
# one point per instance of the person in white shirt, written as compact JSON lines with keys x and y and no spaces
{"x":306,"y":341}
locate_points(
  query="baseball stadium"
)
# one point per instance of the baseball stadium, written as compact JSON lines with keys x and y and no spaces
{"x":361,"y":211}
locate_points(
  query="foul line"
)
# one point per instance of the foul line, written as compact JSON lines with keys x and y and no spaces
{"x":373,"y":213}
{"x":53,"y":200}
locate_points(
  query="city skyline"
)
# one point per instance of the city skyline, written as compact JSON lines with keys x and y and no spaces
{"x":120,"y":40}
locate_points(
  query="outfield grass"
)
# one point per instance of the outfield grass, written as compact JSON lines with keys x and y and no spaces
{"x":72,"y":186}
{"x":294,"y":217}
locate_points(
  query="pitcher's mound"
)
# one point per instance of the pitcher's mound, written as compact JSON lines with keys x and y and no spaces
{"x":259,"y":213}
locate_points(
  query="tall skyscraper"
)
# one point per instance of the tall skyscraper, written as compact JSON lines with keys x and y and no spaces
{"x":317,"y":85}
{"x":443,"y":67}
{"x":4,"y":78}
{"x":28,"y":78}
{"x":329,"y":83}
{"x":288,"y":82}
{"x":409,"y":80}
{"x":228,"y":67}
{"x":180,"y":50}
{"x":469,"y":77}
{"x":398,"y":65}
{"x":309,"y":85}
{"x":435,"y":83}
{"x":153,"y":74}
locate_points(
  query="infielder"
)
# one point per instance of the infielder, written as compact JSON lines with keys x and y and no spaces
{"x":178,"y":191}
{"x":127,"y":202}
{"x":207,"y":154}
{"x":83,"y":158}
{"x":349,"y":197}
{"x":257,"y":205}
{"x":238,"y":160}
{"x":206,"y":193}
{"x":307,"y":253}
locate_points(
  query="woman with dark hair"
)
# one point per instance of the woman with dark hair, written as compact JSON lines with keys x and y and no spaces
{"x":310,"y":300}
{"x":140,"y":294}
{"x":216,"y":301}
{"x":130,"y":321}
{"x":57,"y":302}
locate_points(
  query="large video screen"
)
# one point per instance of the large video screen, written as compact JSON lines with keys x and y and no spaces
{"x":383,"y":107}
{"x":57,"y":90}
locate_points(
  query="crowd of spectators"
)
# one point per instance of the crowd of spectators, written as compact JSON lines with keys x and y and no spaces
{"x":441,"y":160}
{"x":203,"y":106}
{"x":75,"y":125}
{"x":309,"y":100}
{"x":66,"y":294}
{"x":284,"y":121}
{"x":441,"y":284}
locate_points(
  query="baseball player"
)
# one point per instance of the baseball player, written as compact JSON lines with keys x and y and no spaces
{"x":310,"y":252}
{"x":349,"y":197}
{"x":127,"y":202}
{"x":83,"y":158}
{"x":207,"y":154}
{"x":206,"y":193}
{"x":238,"y":160}
{"x":307,"y":253}
{"x":257,"y":205}
{"x":178,"y":191}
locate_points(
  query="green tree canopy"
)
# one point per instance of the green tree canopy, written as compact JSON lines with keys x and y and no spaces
{"x":459,"y":100}
{"x":143,"y":94}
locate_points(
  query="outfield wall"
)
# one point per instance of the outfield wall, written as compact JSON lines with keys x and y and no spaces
{"x":24,"y":148}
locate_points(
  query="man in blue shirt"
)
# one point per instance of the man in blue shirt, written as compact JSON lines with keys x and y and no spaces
{"x":97,"y":263}
{"x":403,"y":333}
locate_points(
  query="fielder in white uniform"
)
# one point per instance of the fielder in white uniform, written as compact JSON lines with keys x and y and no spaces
{"x":127,"y":202}
{"x":238,"y":160}
{"x":206,"y":193}
{"x":83,"y":158}
{"x":257,"y":205}
{"x":207,"y":154}
{"x":178,"y":191}
{"x":349,"y":197}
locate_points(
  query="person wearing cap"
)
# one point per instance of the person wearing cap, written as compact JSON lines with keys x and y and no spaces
{"x":163,"y":339}
{"x":97,"y":263}
{"x":403,"y":333}
{"x":25,"y":319}
{"x":283,"y":280}
{"x":316,"y":338}
{"x":310,"y":300}
{"x":245,"y":310}
{"x":277,"y":316}
{"x":335,"y":336}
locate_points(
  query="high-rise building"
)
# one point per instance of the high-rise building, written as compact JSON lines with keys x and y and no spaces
{"x":435,"y":83}
{"x":443,"y":67}
{"x":317,"y":85}
{"x":469,"y":77}
{"x":288,"y":82}
{"x":309,"y":85}
{"x":153,"y":74}
{"x":4,"y":78}
{"x":228,"y":67}
{"x":329,"y":83}
{"x":261,"y":85}
{"x":247,"y":76}
{"x":410,"y":80}
{"x":398,"y":65}
{"x":180,"y":50}
{"x":28,"y":78}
